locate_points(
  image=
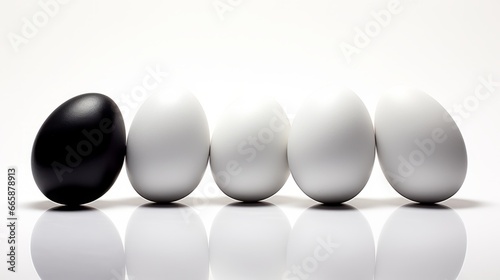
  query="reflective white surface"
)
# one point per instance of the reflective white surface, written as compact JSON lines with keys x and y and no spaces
{"x":166,"y":241}
{"x":257,"y":241}
{"x":331,"y":242}
{"x":248,"y":241}
{"x":77,"y":243}
{"x":421,"y":242}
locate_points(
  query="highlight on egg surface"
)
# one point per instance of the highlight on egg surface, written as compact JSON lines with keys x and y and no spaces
{"x":168,"y":146}
{"x":420,"y":148}
{"x":79,"y":150}
{"x":331,"y":148}
{"x":248,"y":150}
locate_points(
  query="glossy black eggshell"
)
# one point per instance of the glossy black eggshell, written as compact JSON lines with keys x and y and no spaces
{"x":79,"y":150}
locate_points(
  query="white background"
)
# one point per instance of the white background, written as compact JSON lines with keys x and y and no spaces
{"x":287,"y":49}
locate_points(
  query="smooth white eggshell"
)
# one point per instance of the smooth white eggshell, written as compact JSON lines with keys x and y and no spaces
{"x":248,"y":150}
{"x":168,"y":146}
{"x":421,"y":151}
{"x":331,"y":148}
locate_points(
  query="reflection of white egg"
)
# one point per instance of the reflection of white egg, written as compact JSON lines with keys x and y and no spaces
{"x":168,"y":146}
{"x":331,"y":148}
{"x":331,"y":242}
{"x":166,"y":241}
{"x":248,"y":150}
{"x":421,"y":242}
{"x":248,"y":241}
{"x":78,"y":243}
{"x":421,"y":151}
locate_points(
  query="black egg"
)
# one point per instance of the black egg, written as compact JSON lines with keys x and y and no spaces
{"x":79,"y":150}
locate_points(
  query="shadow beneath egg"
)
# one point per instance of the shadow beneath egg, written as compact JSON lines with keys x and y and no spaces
{"x":279,"y":200}
{"x":458,"y":203}
{"x":100,"y":204}
{"x":291,"y":201}
{"x":54,"y":207}
{"x":368,"y":203}
{"x":454,"y":203}
{"x":129,"y":201}
{"x":197,"y":199}
{"x":76,"y":208}
{"x":256,"y":204}
{"x":222,"y":200}
{"x":40,"y":205}
{"x":169,"y":205}
{"x":333,"y":207}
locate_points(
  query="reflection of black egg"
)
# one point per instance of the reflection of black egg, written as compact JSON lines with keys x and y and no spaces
{"x":79,"y":150}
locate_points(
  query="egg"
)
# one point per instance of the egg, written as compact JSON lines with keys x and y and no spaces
{"x":168,"y":146}
{"x":421,"y":242}
{"x":248,"y":150}
{"x":79,"y":150}
{"x":331,"y":148}
{"x":421,"y":150}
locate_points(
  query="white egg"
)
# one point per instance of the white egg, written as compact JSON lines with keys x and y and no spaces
{"x":421,"y":150}
{"x":331,"y":148}
{"x":248,"y":150}
{"x":168,"y":146}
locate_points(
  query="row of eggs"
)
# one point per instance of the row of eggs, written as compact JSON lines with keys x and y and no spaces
{"x":330,"y":149}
